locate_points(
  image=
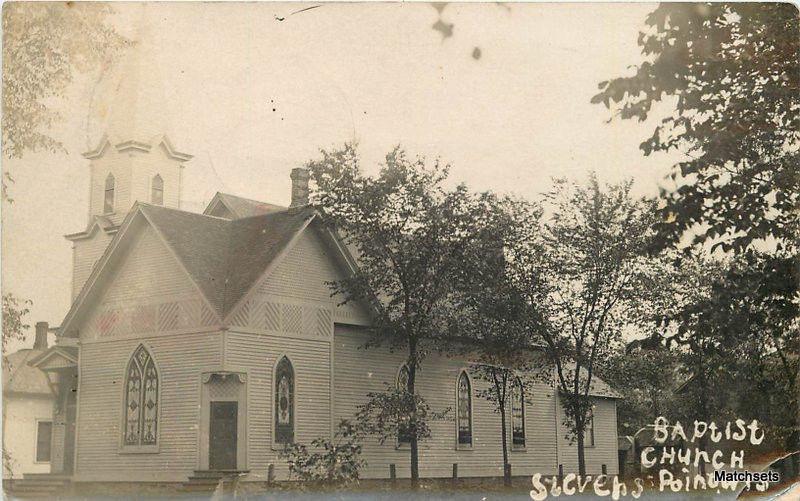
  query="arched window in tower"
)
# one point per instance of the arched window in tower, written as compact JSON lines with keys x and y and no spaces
{"x":108,"y":199}
{"x":284,"y":402}
{"x":518,"y":415}
{"x":464,"y":419}
{"x":141,"y":400}
{"x":403,"y":433}
{"x":157,"y":190}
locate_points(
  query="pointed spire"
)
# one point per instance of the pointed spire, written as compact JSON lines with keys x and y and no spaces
{"x":134,"y":104}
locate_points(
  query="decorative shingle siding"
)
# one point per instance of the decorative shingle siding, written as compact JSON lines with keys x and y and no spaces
{"x":148,"y":293}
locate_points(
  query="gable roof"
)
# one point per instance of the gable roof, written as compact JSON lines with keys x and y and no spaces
{"x":101,"y":222}
{"x":241,"y":207}
{"x":224,"y":258}
{"x":20,"y":377}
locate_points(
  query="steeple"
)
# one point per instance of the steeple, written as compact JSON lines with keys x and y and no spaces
{"x":134,"y":159}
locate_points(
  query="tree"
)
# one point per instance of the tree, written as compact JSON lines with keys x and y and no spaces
{"x":645,"y":373}
{"x":734,"y":73}
{"x":490,"y":311}
{"x":44,"y":44}
{"x":335,"y":461}
{"x":410,"y":234}
{"x":583,"y":283}
{"x":14,"y":312}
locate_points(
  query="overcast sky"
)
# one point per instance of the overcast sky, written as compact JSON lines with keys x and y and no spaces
{"x":505,"y":100}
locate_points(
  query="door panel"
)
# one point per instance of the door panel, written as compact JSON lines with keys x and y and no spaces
{"x":222,"y":436}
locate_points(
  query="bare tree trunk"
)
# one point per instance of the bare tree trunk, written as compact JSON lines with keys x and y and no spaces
{"x":504,"y":433}
{"x":412,"y":375}
{"x":581,"y":457}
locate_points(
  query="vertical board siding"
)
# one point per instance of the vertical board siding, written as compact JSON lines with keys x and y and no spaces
{"x":258,"y":354}
{"x":358,"y":371}
{"x":100,"y":399}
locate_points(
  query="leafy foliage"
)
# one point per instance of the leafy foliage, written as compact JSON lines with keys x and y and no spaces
{"x":14,"y":312}
{"x":584,"y":279}
{"x":734,"y":73}
{"x":410,"y":234}
{"x":334,"y":461}
{"x":44,"y":43}
{"x":393,"y":411}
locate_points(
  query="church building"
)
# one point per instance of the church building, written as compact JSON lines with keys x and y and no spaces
{"x":205,"y":342}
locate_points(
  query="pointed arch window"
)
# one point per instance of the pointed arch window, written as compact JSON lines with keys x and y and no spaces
{"x":403,"y":433}
{"x":108,"y":197}
{"x":284,"y":402}
{"x":518,"y":415}
{"x":464,"y":407}
{"x":157,"y":190}
{"x":141,"y":400}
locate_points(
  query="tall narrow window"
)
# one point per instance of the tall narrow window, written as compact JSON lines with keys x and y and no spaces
{"x":518,"y":415}
{"x":284,"y":402}
{"x":108,"y":200}
{"x":141,"y":399}
{"x":44,"y":433}
{"x":403,"y":432}
{"x":157,"y":190}
{"x":588,"y":431}
{"x":464,"y":410}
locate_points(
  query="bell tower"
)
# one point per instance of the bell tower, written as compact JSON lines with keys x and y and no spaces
{"x":134,"y":159}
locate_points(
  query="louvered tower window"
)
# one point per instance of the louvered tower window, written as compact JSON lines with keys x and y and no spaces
{"x":108,"y":198}
{"x":157,"y":190}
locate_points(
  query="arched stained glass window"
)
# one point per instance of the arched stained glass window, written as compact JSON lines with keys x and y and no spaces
{"x":108,"y":199}
{"x":157,"y":190}
{"x":518,"y":414}
{"x":141,"y":399}
{"x":464,"y":419}
{"x":284,"y":402}
{"x":403,"y":433}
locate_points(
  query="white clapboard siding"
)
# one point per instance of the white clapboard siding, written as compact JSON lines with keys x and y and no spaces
{"x":605,"y":448}
{"x":358,"y":371}
{"x":180,"y":360}
{"x":258,"y":354}
{"x":85,"y":254}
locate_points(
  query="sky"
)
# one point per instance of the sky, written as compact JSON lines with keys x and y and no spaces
{"x":254,"y":90}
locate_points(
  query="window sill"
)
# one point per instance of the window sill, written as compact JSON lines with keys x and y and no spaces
{"x":141,"y":449}
{"x":464,"y":447}
{"x":403,"y":447}
{"x":41,"y":462}
{"x":519,"y":448}
{"x":279,"y":447}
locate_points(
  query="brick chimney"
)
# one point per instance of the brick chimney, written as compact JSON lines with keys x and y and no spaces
{"x":40,"y":343}
{"x":300,"y":178}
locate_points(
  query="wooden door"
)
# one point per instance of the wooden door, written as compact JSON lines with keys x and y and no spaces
{"x":222,"y":436}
